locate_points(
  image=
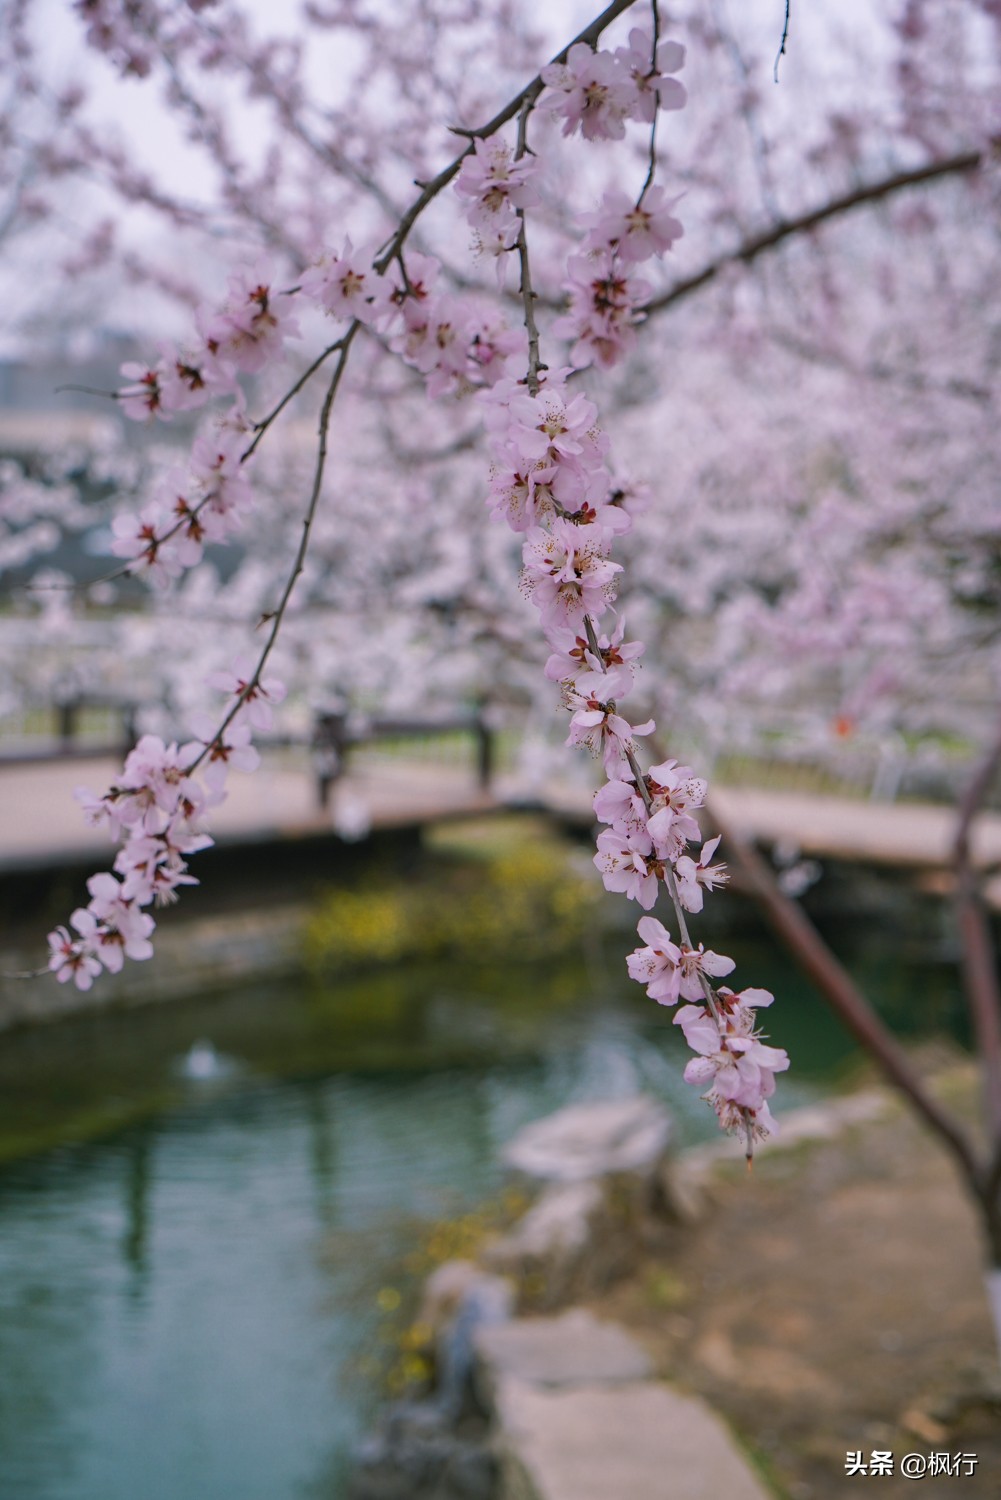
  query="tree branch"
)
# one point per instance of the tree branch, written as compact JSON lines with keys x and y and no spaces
{"x":782,"y":44}
{"x":749,"y":251}
{"x":838,"y":988}
{"x":980,"y":975}
{"x":528,"y":96}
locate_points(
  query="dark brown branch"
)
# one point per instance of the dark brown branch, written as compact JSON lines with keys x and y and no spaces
{"x":651,"y":170}
{"x":838,"y":988}
{"x":262,"y":426}
{"x":299,"y":561}
{"x":980,"y":975}
{"x":749,"y":251}
{"x":527,"y":294}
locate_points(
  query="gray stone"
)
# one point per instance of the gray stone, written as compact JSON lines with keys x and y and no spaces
{"x":557,"y":1225}
{"x":586,"y":1141}
{"x":573,"y":1349}
{"x":557,"y":1244}
{"x":628,"y":1442}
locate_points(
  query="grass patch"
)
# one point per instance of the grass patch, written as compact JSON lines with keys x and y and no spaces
{"x":517,"y":895}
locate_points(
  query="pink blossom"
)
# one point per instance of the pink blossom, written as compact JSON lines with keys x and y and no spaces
{"x":651,"y":89}
{"x":593,"y":722}
{"x":567,"y":574}
{"x":143,"y":541}
{"x":142,"y":399}
{"x":591,"y":91}
{"x":491,"y":344}
{"x":619,"y":804}
{"x":189,"y":379}
{"x":154,"y":867}
{"x":573,"y":657}
{"x":229,"y":750}
{"x":675,"y":793}
{"x":605,"y":308}
{"x":629,"y":866}
{"x":635,"y":231}
{"x":700,"y":962}
{"x":656,"y":965}
{"x":693,"y":877}
{"x":548,"y":428}
{"x":436,"y":339}
{"x":733,"y":1058}
{"x":72,"y":958}
{"x":250,"y":329}
{"x":346,"y":286}
{"x":257,"y":696}
{"x":122,"y":930}
{"x":495,"y":184}
{"x":604,"y":732}
{"x":155,"y":783}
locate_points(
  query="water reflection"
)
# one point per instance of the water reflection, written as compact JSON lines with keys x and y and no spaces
{"x":138,"y":1166}
{"x":186,"y":1302}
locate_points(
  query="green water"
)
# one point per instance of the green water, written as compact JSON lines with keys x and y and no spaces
{"x":189,"y":1281}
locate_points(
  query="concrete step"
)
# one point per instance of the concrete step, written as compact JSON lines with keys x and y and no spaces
{"x":579,"y":1418}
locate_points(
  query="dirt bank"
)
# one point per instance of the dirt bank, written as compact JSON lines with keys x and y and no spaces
{"x":832,"y":1303}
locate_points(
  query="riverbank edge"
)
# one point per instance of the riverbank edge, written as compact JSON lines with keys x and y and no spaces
{"x":570,"y":1399}
{"x":199,"y":955}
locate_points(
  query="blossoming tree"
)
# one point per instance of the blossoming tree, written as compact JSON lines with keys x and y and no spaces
{"x":354,"y":294}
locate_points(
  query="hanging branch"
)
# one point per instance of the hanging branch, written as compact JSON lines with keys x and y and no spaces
{"x":782,"y":44}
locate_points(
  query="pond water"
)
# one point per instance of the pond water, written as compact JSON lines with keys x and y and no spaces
{"x":190,"y":1297}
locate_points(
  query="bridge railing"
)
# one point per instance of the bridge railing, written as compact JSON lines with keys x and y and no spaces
{"x":335,"y":735}
{"x":67,"y":730}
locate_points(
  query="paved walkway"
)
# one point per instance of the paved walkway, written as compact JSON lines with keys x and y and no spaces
{"x":42,"y":824}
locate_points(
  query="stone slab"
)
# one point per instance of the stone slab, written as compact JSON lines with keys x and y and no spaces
{"x":556,"y":1228}
{"x":574,"y":1349}
{"x":586,"y":1141}
{"x":630,"y":1442}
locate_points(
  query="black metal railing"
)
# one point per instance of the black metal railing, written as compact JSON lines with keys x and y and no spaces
{"x":332,"y":739}
{"x":335,"y":735}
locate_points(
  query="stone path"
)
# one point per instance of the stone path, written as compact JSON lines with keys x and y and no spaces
{"x":581,"y":1417}
{"x":42,"y":824}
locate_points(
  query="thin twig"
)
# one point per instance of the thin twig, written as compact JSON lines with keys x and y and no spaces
{"x":782,"y":44}
{"x":265,"y":422}
{"x":527,"y":294}
{"x":527,"y":95}
{"x":300,"y":557}
{"x":652,"y":168}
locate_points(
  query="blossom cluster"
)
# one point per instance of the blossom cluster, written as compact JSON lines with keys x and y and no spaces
{"x":596,"y":91}
{"x":606,"y":297}
{"x":157,"y":812}
{"x":551,"y":481}
{"x":496,"y":184}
